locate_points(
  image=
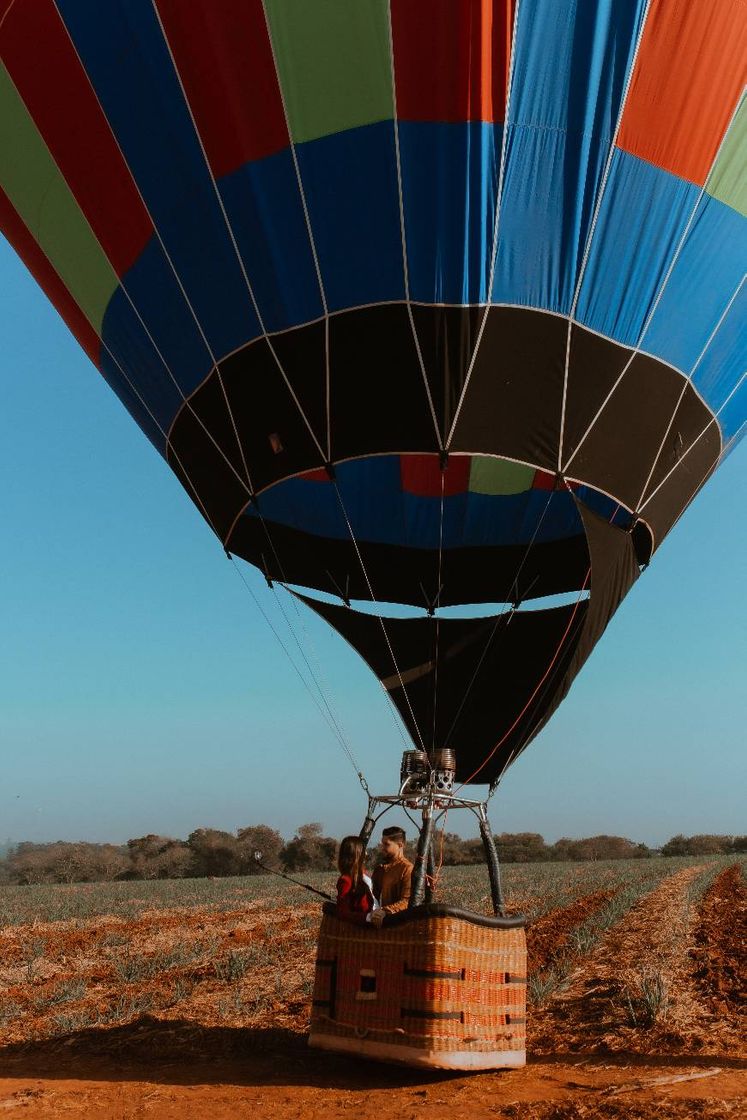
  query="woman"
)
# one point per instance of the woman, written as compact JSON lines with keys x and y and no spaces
{"x":355,"y":898}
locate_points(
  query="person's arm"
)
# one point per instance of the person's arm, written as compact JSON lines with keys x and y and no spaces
{"x":404,"y":893}
{"x":344,"y":896}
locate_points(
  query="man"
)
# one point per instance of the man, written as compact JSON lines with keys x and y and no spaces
{"x":391,"y":877}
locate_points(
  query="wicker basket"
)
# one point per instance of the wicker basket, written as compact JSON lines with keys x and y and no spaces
{"x":433,"y":987}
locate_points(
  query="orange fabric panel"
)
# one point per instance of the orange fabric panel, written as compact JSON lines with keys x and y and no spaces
{"x":690,"y":72}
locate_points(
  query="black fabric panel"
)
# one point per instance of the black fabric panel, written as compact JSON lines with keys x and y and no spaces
{"x":622,"y":446}
{"x":683,"y":483}
{"x":447,"y":337}
{"x":481,"y":674}
{"x":379,"y":401}
{"x":250,"y":414}
{"x":468,"y":575}
{"x":614,"y":570}
{"x":216,"y":485}
{"x":513,"y":402}
{"x":378,"y":405}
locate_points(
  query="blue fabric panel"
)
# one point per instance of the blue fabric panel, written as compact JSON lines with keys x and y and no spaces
{"x":380,"y":512}
{"x":562,"y":114}
{"x":606,"y":507}
{"x":641,"y":220}
{"x":543,"y":218}
{"x":150,"y":282}
{"x":124,"y":54}
{"x":263,"y":202}
{"x":722,"y":366}
{"x":350,"y":183}
{"x":704,"y":279}
{"x":449,"y":181}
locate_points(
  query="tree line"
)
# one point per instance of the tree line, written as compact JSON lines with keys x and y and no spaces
{"x":210,"y":852}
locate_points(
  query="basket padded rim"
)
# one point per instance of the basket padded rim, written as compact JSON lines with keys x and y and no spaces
{"x":419,"y":913}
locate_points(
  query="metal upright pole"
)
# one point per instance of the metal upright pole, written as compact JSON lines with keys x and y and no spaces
{"x":494,"y":871}
{"x":421,"y":860}
{"x":369,"y":822}
{"x":430,"y":876}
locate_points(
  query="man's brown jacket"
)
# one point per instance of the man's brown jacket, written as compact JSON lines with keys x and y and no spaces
{"x":391,"y":884}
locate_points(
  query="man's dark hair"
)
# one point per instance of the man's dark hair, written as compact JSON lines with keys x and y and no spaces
{"x":395,"y":833}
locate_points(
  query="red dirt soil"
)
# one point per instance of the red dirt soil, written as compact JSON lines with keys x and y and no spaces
{"x":237,"y":1048}
{"x":720,"y":949}
{"x":547,"y":938}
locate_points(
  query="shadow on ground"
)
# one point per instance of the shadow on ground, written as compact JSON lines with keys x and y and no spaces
{"x":180,"y":1053}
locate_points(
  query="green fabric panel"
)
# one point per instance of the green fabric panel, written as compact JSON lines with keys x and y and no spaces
{"x":33,"y":183}
{"x":728,"y":181}
{"x":334,"y":63}
{"x":498,"y":476}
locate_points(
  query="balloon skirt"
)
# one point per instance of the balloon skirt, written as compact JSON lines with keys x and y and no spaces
{"x":440,"y":990}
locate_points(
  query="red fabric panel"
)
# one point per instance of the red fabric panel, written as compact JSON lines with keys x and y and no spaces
{"x":690,"y":72}
{"x":46,"y":277}
{"x":42,"y":62}
{"x":224,"y":57}
{"x":544,"y":480}
{"x":421,"y":475}
{"x":451,"y":59}
{"x":318,"y":475}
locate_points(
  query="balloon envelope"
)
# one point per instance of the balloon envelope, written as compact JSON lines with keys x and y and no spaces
{"x":427,"y":302}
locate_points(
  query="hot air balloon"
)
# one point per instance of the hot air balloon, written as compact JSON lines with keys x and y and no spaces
{"x":426,"y":302}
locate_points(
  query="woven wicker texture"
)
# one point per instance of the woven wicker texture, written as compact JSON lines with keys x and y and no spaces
{"x":437,"y":983}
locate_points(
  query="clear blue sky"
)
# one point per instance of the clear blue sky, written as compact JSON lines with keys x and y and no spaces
{"x":141,"y":691}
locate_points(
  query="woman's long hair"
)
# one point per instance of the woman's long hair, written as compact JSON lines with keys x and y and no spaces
{"x":350,"y":860}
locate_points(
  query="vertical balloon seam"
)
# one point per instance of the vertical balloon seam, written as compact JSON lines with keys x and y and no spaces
{"x":696,"y":441}
{"x":182,"y":288}
{"x":239,"y":257}
{"x":381,"y":620}
{"x":403,"y":231}
{"x":86,"y":269}
{"x":123,"y":286}
{"x":595,"y":216}
{"x":693,"y":53}
{"x":688,"y":382}
{"x":496,"y":225}
{"x":310,"y":233}
{"x":657,"y":300}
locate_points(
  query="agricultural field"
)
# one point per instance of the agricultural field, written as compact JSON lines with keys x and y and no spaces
{"x":191,"y":997}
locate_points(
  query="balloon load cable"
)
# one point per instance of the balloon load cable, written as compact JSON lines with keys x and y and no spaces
{"x":539,"y":685}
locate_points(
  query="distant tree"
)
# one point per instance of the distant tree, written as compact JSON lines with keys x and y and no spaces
{"x":104,"y":862}
{"x":159,"y":857}
{"x":521,"y":847}
{"x":28,"y":863}
{"x":710,"y":845}
{"x":258,"y":838}
{"x":705,"y":844}
{"x":309,"y":850}
{"x":214,"y":852}
{"x":676,"y":846}
{"x":454,"y":851}
{"x":596,"y":848}
{"x":65,"y":862}
{"x":739,"y":844}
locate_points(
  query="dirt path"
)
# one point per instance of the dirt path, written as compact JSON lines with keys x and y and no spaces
{"x":586,"y":1060}
{"x":637,"y":991}
{"x":547,"y":937}
{"x":150,"y":1069}
{"x":720,"y":951}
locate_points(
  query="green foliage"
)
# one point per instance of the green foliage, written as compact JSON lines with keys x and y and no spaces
{"x":706,"y":844}
{"x":646,"y":999}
